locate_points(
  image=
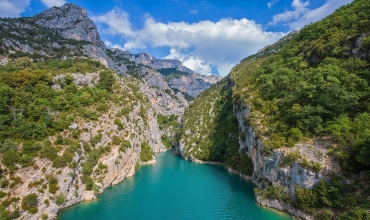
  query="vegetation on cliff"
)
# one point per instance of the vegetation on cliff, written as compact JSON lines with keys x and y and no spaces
{"x":210,"y":131}
{"x":39,"y":102}
{"x":310,"y":86}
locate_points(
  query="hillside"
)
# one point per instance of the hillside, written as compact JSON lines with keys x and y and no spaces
{"x":303,"y":118}
{"x":75,"y":117}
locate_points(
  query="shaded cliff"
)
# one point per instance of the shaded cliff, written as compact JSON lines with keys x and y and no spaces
{"x":302,"y":117}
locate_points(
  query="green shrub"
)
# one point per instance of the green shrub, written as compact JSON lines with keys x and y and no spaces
{"x":118,"y":123}
{"x":49,"y":152}
{"x":10,"y":157}
{"x":166,"y":141}
{"x":291,"y":157}
{"x":102,"y":108}
{"x":29,"y":203}
{"x":306,"y":199}
{"x":116,"y":140}
{"x":146,"y":152}
{"x":44,"y":216}
{"x":137,"y":166}
{"x":88,"y":180}
{"x":60,"y":199}
{"x":355,"y":214}
{"x":124,"y":145}
{"x":7,"y":145}
{"x":31,"y":147}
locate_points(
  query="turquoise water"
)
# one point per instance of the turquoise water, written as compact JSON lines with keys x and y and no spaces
{"x":175,"y":189}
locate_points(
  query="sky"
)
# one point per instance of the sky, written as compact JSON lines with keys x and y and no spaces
{"x":208,"y":36}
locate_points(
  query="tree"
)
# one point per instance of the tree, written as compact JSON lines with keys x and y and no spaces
{"x":10,"y":157}
{"x":106,"y":80}
{"x":29,"y":203}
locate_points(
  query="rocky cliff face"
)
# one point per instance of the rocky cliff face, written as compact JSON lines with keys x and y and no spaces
{"x":66,"y":33}
{"x":73,"y":23}
{"x":186,"y":80}
{"x":139,"y":125}
{"x":271,"y":170}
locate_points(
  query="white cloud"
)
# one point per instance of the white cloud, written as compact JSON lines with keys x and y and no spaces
{"x":301,"y":15}
{"x":195,"y":63}
{"x":193,"y":11}
{"x":271,"y":3}
{"x":52,"y":3}
{"x":111,"y":45}
{"x":12,"y":8}
{"x":117,"y":21}
{"x":202,"y":45}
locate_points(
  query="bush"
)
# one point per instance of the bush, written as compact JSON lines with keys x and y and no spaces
{"x":355,"y":214}
{"x":49,"y":152}
{"x":102,"y":108}
{"x":116,"y":140}
{"x":44,"y":216}
{"x":88,"y":180}
{"x":118,"y":123}
{"x":30,"y":147}
{"x":29,"y":203}
{"x":10,"y":157}
{"x":7,"y":145}
{"x":124,"y":145}
{"x":60,"y":199}
{"x":146,"y":152}
{"x":306,"y":199}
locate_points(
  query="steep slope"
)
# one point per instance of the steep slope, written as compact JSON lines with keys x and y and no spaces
{"x":303,"y":118}
{"x":177,"y":76}
{"x":69,"y":125}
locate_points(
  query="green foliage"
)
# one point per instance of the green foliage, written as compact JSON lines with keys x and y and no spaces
{"x":88,"y":180}
{"x":116,"y":140}
{"x":305,"y":199}
{"x":118,"y":123}
{"x":102,"y":108}
{"x":166,"y":141}
{"x":355,"y":214}
{"x":210,"y":130}
{"x":165,"y":122}
{"x":29,"y":203}
{"x":60,"y":199}
{"x":30,"y":147}
{"x":10,"y":157}
{"x":53,"y":183}
{"x":124,"y":145}
{"x":137,"y":166}
{"x":49,"y":152}
{"x":44,"y":216}
{"x":146,"y":152}
{"x":7,"y":145}
{"x":107,"y":80}
{"x":290,"y":158}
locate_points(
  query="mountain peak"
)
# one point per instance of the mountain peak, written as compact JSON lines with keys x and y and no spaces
{"x":73,"y":22}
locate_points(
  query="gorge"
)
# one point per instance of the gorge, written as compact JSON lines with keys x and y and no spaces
{"x":78,"y":117}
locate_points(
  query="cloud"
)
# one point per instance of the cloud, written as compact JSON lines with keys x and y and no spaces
{"x":302,"y":15}
{"x":195,"y":63}
{"x":117,"y":21}
{"x":270,"y":4}
{"x":52,"y":3}
{"x":201,"y":45}
{"x":111,"y":45}
{"x":193,"y":11}
{"x":11,"y":8}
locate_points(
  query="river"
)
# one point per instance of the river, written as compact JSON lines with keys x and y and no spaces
{"x":174,"y":188}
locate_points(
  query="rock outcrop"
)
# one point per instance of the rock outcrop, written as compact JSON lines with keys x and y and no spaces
{"x":73,"y":23}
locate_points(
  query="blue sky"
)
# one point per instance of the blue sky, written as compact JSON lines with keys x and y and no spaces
{"x":206,"y":35}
